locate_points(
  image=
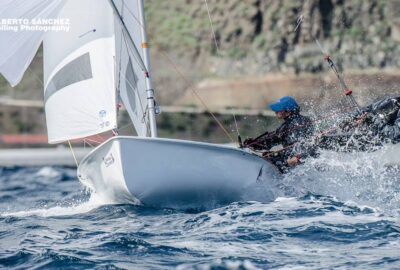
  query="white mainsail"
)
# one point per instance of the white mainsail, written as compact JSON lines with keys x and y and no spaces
{"x":83,"y":66}
{"x":79,"y":72}
{"x":129,"y":66}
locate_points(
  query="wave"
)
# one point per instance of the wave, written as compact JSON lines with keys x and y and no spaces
{"x":370,"y":179}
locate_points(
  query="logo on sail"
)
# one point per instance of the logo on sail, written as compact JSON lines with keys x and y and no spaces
{"x":103,"y":119}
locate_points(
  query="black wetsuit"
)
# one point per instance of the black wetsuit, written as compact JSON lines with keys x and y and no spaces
{"x":383,"y":119}
{"x":381,"y":124}
{"x":294,"y":135}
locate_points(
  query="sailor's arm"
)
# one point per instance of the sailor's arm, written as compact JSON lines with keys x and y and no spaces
{"x":296,"y":158}
{"x":270,"y":138}
{"x":263,"y":142}
{"x":302,"y":149}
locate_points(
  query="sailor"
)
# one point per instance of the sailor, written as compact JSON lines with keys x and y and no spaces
{"x":294,"y":136}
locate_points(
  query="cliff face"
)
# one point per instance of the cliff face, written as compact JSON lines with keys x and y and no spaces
{"x":279,"y":35}
{"x":255,"y":37}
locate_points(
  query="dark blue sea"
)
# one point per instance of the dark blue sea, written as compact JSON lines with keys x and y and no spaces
{"x":340,"y":211}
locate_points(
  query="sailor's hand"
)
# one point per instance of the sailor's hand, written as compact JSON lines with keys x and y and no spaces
{"x":267,"y":154}
{"x":248,"y":141}
{"x":292,"y":162}
{"x":360,"y":120}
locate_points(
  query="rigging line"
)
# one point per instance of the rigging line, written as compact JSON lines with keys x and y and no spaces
{"x":126,"y":126}
{"x":134,"y":16}
{"x":101,"y":138}
{"x":238,"y":133}
{"x":187,"y":82}
{"x":212,"y":28}
{"x":73,"y":153}
{"x":120,"y":64}
{"x":86,"y":142}
{"x":36,"y":76}
{"x":236,"y":125}
{"x":219,"y":53}
{"x":342,"y":83}
{"x":125,"y":29}
{"x":198,"y":96}
{"x":91,"y":140}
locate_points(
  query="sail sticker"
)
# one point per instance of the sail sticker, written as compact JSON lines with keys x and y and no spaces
{"x":104,"y":122}
{"x":103,"y":113}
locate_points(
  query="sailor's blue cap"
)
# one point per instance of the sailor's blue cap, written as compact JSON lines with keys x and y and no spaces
{"x":285,"y":104}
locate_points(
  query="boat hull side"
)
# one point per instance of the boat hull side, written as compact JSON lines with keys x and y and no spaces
{"x":175,"y":173}
{"x":101,"y":171}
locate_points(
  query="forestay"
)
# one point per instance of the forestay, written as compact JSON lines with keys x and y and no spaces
{"x":130,"y":68}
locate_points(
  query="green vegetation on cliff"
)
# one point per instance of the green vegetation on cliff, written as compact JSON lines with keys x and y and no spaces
{"x":364,"y":34}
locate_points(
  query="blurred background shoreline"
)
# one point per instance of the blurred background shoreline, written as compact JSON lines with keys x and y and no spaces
{"x":266,"y":49}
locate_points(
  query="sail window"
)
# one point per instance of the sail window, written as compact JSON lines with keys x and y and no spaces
{"x":131,"y":80}
{"x":77,"y":70}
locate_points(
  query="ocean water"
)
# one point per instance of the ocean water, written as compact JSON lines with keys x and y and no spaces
{"x":340,"y":211}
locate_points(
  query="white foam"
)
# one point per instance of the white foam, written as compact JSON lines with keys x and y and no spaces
{"x":370,"y":180}
{"x":285,"y":199}
{"x":47,"y":172}
{"x":94,"y":202}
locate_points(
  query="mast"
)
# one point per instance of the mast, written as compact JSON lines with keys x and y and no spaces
{"x":146,"y":60}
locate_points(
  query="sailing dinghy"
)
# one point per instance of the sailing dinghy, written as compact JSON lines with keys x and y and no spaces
{"x":101,"y":60}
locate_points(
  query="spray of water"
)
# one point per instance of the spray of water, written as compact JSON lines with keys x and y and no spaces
{"x":370,"y":178}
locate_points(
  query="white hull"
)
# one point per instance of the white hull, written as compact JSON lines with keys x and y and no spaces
{"x":174,"y":173}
